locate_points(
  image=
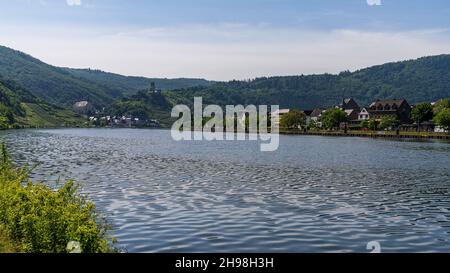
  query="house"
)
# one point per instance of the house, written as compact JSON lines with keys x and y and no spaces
{"x":316,"y":114}
{"x":349,"y":104}
{"x":154,"y":123}
{"x":352,"y":115}
{"x":364,"y":115}
{"x":351,"y":108}
{"x":308,"y":116}
{"x":399,"y":109}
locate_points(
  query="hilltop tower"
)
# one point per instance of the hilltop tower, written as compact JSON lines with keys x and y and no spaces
{"x":153,"y":87}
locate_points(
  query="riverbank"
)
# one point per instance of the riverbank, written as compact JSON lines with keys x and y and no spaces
{"x":367,"y":134}
{"x":37,"y":218}
{"x":372,"y":134}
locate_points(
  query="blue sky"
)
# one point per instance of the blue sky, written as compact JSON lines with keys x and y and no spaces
{"x":224,"y":40}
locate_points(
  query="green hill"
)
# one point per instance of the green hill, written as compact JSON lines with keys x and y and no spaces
{"x":50,"y":83}
{"x":424,"y":79}
{"x":10,"y":106}
{"x":20,"y":109}
{"x":144,"y":105}
{"x":65,"y":86}
{"x":128,"y":85}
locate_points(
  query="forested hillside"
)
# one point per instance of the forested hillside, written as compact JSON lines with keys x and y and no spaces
{"x":144,"y":105}
{"x":129,"y":86}
{"x":50,"y":83}
{"x":65,"y":86}
{"x":10,"y":105}
{"x":20,"y":109}
{"x":424,"y":79}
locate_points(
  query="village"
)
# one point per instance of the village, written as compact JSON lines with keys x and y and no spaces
{"x":390,"y":115}
{"x":381,"y":115}
{"x":97,"y":119}
{"x":126,"y":121}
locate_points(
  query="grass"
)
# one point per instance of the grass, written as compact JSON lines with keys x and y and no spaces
{"x":42,"y":116}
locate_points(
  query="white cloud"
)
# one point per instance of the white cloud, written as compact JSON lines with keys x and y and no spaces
{"x":223,"y":52}
{"x":74,"y":2}
{"x":374,"y":2}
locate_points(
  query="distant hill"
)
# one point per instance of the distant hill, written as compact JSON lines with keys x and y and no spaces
{"x":424,"y":79}
{"x":19,"y":108}
{"x":129,"y":85}
{"x":10,"y":103}
{"x":65,"y":86}
{"x":143,"y":105}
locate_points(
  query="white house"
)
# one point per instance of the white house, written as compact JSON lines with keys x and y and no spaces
{"x":316,"y":116}
{"x":364,"y":115}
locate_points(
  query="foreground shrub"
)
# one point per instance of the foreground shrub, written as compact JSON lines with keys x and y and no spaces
{"x":39,"y":219}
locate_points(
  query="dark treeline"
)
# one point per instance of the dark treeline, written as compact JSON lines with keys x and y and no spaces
{"x":425,"y":79}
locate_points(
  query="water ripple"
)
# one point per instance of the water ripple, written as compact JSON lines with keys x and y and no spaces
{"x":313,"y":195}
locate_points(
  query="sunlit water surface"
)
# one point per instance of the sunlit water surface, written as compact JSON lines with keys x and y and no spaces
{"x":315,"y":194}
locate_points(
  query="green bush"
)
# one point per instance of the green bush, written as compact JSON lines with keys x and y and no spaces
{"x":389,"y":123}
{"x":293,"y":120}
{"x":39,"y":219}
{"x":374,"y":124}
{"x":443,"y":119}
{"x":332,"y":118}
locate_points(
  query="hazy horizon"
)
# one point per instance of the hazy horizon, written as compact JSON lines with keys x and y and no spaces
{"x":225,"y":40}
{"x":243,"y":79}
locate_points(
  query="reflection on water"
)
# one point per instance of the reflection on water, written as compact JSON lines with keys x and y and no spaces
{"x":315,"y":194}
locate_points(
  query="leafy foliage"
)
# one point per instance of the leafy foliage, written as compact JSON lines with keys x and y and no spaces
{"x":441,"y":105}
{"x":374,"y":124}
{"x":422,"y":112}
{"x":332,"y":118}
{"x":364,"y":124}
{"x":293,"y":120}
{"x":39,"y":219}
{"x":312,"y":125}
{"x":388,"y":122}
{"x":443,"y":118}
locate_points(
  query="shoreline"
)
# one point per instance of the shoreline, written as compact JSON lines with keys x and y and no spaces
{"x":368,"y":134}
{"x":373,"y":134}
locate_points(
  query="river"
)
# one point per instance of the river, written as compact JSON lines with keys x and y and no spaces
{"x":315,"y":194}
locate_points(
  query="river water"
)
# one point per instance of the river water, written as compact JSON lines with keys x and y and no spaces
{"x":315,"y":194}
